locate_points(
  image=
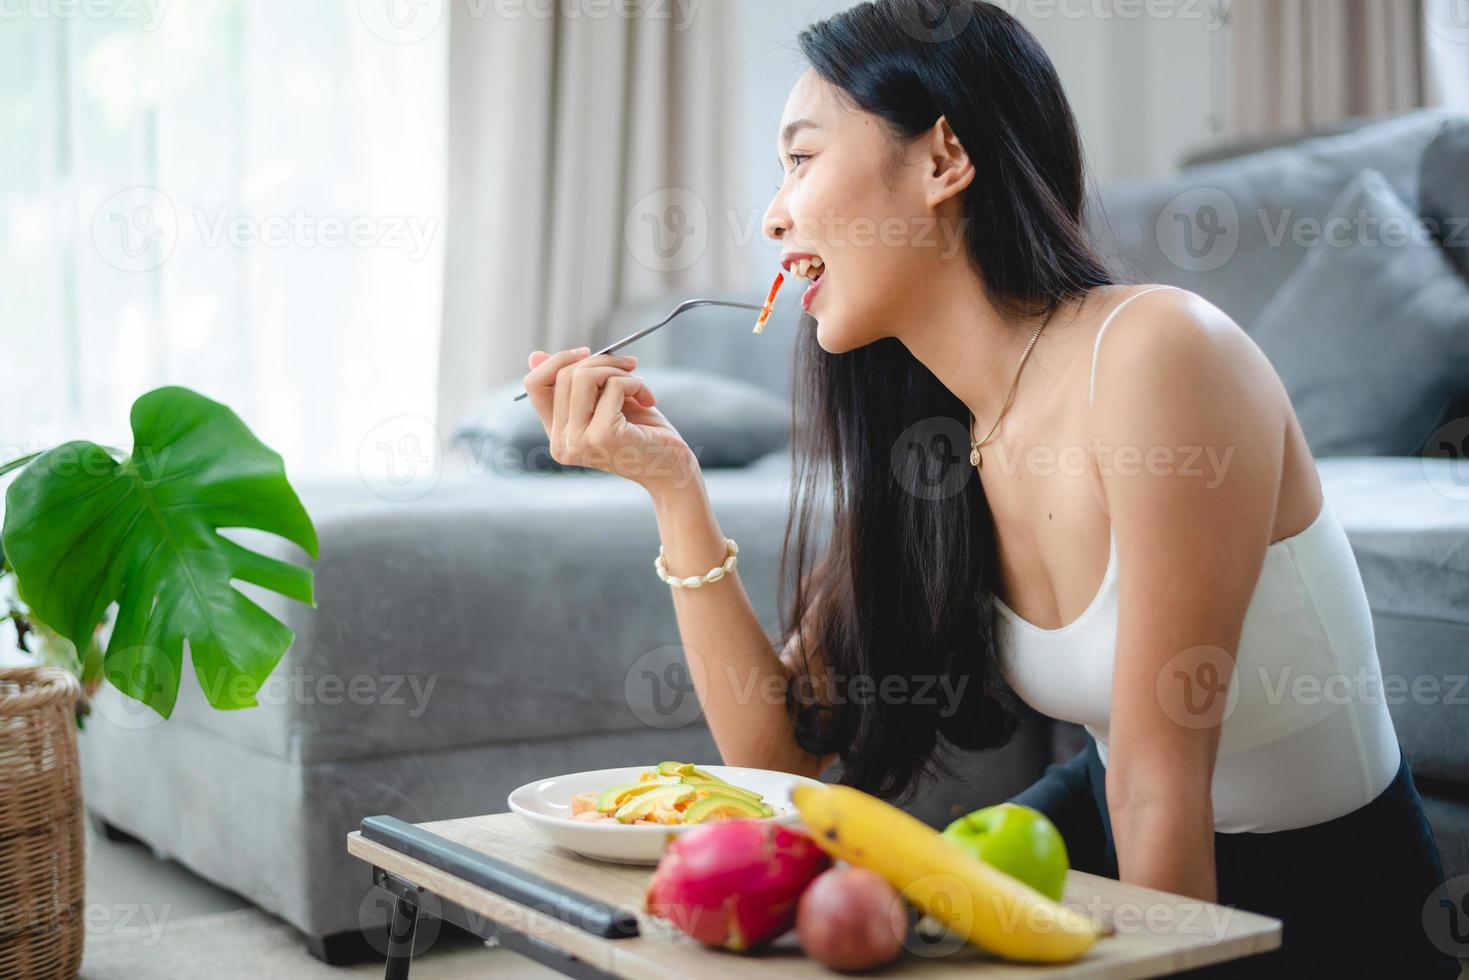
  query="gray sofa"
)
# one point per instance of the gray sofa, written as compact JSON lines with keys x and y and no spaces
{"x":505,"y":626}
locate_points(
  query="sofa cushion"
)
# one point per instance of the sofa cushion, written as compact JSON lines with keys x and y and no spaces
{"x":1235,"y":230}
{"x":1408,"y":521}
{"x":1370,"y":334}
{"x":725,"y":421}
{"x":1443,"y":182}
{"x":493,"y":609}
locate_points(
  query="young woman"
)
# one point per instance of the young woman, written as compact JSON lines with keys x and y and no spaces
{"x":1131,"y":436}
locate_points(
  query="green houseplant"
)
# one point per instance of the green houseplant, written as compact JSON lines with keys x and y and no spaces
{"x":90,"y":533}
{"x":85,"y":529}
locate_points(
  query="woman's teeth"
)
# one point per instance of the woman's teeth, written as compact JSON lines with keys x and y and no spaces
{"x":813,"y":269}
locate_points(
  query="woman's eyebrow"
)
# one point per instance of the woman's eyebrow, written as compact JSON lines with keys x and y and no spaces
{"x":793,"y":127}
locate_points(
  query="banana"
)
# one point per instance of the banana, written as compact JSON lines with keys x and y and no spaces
{"x":979,"y":903}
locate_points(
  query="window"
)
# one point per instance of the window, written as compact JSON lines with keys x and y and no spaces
{"x":246,"y":198}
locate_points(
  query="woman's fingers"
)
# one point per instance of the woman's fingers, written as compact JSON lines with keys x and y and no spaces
{"x":543,"y":372}
{"x":587,"y":386}
{"x":565,"y":377}
{"x":541,"y":380}
{"x":610,"y":405}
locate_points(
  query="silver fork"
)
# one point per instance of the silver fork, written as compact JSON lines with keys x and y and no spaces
{"x":683,"y":307}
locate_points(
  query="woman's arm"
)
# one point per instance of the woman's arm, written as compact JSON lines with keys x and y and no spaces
{"x":739,"y":679}
{"x":1188,"y":428}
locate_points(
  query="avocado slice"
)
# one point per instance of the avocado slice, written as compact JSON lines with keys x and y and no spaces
{"x":713,"y":786}
{"x":686,"y":769}
{"x":725,"y":805}
{"x":645,"y":803}
{"x":618,"y":795}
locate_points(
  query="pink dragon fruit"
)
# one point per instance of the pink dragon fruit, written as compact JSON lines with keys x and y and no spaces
{"x":734,"y":884}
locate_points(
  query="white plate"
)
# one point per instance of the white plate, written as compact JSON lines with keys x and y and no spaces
{"x":546,"y":805}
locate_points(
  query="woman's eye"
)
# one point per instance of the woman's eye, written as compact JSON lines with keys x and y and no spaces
{"x":796,"y":159}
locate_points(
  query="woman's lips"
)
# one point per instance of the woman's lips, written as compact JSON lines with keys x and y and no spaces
{"x":810,"y":294}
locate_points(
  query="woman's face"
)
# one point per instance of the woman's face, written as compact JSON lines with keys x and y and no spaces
{"x":853,"y":198}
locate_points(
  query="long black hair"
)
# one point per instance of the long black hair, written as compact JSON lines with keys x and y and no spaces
{"x":904,"y":595}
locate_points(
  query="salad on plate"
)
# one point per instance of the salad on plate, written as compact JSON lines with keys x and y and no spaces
{"x":670,"y":793}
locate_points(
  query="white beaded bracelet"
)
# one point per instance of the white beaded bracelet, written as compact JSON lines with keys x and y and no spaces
{"x":660,"y":564}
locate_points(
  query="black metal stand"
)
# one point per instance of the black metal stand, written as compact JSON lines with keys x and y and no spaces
{"x":407,"y":908}
{"x":400,"y":939}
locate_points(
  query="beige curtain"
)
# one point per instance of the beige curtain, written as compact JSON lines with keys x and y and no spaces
{"x":1297,"y":65}
{"x":589,"y":164}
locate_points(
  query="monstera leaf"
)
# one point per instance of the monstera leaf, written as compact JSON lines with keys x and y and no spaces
{"x":84,"y":529}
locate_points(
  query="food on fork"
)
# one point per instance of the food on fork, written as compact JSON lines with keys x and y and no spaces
{"x":769,"y":302}
{"x":670,"y":793}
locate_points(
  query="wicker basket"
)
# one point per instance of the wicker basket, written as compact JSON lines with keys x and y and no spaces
{"x":42,"y":850}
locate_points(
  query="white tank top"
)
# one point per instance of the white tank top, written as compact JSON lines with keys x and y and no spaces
{"x":1306,"y":735}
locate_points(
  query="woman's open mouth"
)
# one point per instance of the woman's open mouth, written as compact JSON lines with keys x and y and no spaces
{"x":810,"y":267}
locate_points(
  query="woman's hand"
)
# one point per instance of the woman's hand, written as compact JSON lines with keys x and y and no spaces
{"x":600,"y":416}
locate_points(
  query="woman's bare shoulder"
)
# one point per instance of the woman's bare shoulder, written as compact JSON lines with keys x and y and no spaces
{"x":1170,"y":361}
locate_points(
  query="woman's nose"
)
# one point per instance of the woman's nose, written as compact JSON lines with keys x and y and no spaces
{"x":776,"y":221}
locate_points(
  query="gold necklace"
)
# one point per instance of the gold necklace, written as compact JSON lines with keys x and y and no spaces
{"x":976,"y":459}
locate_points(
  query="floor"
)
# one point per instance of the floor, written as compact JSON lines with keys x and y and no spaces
{"x":150,"y":918}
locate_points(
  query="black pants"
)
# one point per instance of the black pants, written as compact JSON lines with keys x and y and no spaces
{"x":1349,"y":891}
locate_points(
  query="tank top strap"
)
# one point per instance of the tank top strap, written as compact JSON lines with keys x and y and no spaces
{"x":1092,"y":384}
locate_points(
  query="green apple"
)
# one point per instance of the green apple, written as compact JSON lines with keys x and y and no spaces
{"x":1019,"y":841}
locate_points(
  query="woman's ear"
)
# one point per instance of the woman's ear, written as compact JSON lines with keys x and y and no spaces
{"x":950,"y":169}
